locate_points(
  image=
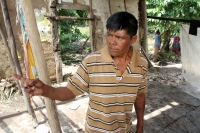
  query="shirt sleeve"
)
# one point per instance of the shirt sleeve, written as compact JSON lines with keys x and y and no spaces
{"x":78,"y":83}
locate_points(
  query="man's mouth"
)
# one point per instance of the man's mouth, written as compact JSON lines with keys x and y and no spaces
{"x":112,"y":49}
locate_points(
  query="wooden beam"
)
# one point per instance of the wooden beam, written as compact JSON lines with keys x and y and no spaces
{"x":74,"y":6}
{"x":68,"y":18}
{"x":73,"y":18}
{"x":41,"y":65}
{"x":169,"y":19}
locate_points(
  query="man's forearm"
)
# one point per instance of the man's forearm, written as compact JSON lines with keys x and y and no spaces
{"x":60,"y":93}
{"x":139,"y":109}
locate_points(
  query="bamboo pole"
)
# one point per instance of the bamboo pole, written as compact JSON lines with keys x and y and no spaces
{"x":7,"y":22}
{"x":26,"y":99}
{"x":38,"y":54}
{"x":13,"y":59}
{"x":7,"y":49}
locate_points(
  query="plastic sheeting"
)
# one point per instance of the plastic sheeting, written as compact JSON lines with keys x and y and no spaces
{"x":190,"y":56}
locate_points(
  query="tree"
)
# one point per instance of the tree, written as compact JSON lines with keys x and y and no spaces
{"x":180,"y":9}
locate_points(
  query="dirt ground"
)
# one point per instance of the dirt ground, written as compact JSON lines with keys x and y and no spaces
{"x":14,"y":117}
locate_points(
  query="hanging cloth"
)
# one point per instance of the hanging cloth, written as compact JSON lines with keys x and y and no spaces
{"x":194,"y":24}
{"x":31,"y":71}
{"x":31,"y":68}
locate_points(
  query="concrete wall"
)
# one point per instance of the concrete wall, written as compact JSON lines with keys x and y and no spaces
{"x":190,"y":53}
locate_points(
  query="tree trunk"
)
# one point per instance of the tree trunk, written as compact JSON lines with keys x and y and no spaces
{"x":56,"y":42}
{"x":40,"y":62}
{"x":143,"y":25}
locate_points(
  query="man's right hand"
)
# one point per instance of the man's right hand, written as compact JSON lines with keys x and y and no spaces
{"x":35,"y":87}
{"x":31,"y":86}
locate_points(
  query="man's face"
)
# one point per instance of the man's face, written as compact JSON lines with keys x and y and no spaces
{"x":119,"y":42}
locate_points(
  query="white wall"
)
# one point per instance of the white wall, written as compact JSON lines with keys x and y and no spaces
{"x":190,"y":56}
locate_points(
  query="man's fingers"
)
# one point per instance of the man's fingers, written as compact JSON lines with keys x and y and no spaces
{"x":28,"y":89}
{"x":24,"y":85}
{"x":36,"y":82}
{"x":19,"y":77}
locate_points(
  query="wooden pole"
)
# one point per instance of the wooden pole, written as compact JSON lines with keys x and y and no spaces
{"x":38,"y":54}
{"x":56,"y":41}
{"x":92,"y":28}
{"x":11,"y":38}
{"x":52,"y":18}
{"x":170,"y":19}
{"x":143,"y":25}
{"x":73,"y":6}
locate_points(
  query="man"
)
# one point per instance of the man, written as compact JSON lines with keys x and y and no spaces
{"x":114,"y":77}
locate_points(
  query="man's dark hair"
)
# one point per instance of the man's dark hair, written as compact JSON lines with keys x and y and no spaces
{"x":123,"y":21}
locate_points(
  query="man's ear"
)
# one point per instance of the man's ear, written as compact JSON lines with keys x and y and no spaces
{"x":133,"y":39}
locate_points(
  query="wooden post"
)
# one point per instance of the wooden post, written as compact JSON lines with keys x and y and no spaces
{"x":7,"y":22}
{"x":38,"y":54}
{"x":92,"y":28}
{"x":143,"y":25}
{"x":56,"y":42}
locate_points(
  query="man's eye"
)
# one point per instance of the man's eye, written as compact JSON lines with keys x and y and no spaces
{"x":118,"y":37}
{"x":108,"y":34}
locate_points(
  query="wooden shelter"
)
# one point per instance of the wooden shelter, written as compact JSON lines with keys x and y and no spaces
{"x":99,"y":11}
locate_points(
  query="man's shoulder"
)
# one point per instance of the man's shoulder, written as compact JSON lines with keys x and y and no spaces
{"x":93,"y":56}
{"x":101,"y":55}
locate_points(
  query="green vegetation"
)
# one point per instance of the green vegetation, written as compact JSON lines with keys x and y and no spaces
{"x":71,"y":31}
{"x":179,"y":9}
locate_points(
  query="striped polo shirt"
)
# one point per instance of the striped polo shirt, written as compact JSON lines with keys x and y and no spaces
{"x":111,"y":94}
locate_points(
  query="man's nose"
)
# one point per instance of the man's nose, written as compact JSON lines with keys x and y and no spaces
{"x":113,"y":40}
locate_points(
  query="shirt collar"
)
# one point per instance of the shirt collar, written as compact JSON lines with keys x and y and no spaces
{"x":106,"y":57}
